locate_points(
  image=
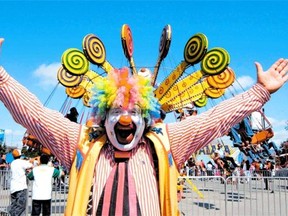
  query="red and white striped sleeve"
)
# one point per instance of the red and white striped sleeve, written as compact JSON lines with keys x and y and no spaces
{"x":195,"y":132}
{"x":52,"y":129}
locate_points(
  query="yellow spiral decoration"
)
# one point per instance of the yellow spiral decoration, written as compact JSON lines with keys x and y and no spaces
{"x":75,"y":92}
{"x":195,"y":48}
{"x":94,"y":49}
{"x":214,"y":92}
{"x":86,"y":98}
{"x":222,"y":80}
{"x":215,"y":61}
{"x":74,"y":61}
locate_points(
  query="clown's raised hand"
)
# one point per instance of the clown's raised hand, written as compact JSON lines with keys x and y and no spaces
{"x":275,"y":77}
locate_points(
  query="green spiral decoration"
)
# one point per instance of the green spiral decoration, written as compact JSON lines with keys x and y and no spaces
{"x":201,"y":102}
{"x":74,"y":61}
{"x":195,"y":48}
{"x":215,"y":61}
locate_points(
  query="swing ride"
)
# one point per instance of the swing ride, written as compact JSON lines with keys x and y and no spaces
{"x":179,"y":89}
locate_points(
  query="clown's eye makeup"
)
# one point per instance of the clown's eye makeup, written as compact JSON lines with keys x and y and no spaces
{"x":135,"y":111}
{"x":116,"y":111}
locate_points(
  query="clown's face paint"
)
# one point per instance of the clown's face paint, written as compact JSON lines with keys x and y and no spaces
{"x":124,"y":127}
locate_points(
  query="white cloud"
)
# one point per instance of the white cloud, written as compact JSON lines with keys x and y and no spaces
{"x":8,"y":131}
{"x":278,"y":126}
{"x":280,"y":136}
{"x":14,"y":133}
{"x":13,"y":138}
{"x":240,"y":85}
{"x":277,"y":123}
{"x":243,"y":82}
{"x":47,"y":74}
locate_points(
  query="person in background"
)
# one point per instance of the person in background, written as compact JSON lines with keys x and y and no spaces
{"x":225,"y":157}
{"x":241,"y":132}
{"x":247,"y":171}
{"x":42,"y":177}
{"x":210,"y":168}
{"x":3,"y":173}
{"x":3,"y":163}
{"x":267,"y":170}
{"x":73,"y":115}
{"x":192,"y":112}
{"x":18,"y":186}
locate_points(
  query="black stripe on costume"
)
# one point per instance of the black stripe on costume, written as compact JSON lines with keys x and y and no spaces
{"x":100,"y":204}
{"x":126,"y":192}
{"x":114,"y":193}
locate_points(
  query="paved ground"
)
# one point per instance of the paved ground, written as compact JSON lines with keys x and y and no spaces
{"x":243,"y":199}
{"x":247,"y":199}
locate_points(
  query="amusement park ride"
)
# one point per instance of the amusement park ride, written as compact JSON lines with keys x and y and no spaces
{"x":176,"y":91}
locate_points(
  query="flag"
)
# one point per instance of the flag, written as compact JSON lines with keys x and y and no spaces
{"x":2,"y":135}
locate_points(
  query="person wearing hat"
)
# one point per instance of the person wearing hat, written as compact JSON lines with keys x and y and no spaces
{"x":126,"y":109}
{"x":18,"y":185}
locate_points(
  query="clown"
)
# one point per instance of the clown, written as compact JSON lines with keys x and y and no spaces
{"x":124,"y":163}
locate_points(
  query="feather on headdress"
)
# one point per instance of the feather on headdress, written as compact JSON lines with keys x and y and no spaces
{"x":119,"y":89}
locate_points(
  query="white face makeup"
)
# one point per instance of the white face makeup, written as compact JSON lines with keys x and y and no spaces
{"x":124,"y":135}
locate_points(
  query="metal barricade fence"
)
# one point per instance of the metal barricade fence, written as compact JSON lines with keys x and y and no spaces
{"x":4,"y":191}
{"x":235,"y":195}
{"x":202,"y":195}
{"x":58,"y":201}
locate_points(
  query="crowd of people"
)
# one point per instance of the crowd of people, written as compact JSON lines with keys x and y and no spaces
{"x":243,"y":173}
{"x":43,"y":171}
{"x":258,"y":158}
{"x":200,"y":168}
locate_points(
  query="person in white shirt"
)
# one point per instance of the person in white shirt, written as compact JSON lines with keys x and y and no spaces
{"x":18,"y":185}
{"x":42,"y":177}
{"x":257,"y":121}
{"x":210,"y":168}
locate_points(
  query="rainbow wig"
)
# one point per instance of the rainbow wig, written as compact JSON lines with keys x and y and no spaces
{"x":119,"y":89}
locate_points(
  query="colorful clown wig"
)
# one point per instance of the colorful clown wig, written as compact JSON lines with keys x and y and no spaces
{"x":119,"y":89}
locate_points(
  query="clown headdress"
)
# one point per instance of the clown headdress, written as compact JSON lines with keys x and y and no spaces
{"x":118,"y":89}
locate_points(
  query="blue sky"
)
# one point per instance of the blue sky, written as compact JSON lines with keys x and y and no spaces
{"x":37,"y":33}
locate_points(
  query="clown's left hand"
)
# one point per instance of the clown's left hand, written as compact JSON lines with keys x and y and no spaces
{"x":275,"y":77}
